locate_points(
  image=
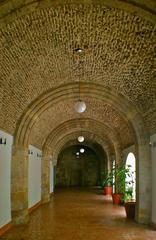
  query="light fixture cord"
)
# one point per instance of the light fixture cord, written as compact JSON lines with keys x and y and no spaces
{"x":79,"y":78}
{"x":79,"y":97}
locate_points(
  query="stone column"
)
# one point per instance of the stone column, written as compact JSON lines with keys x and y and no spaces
{"x":19,"y":185}
{"x":119,"y":162}
{"x":144,"y":182}
{"x":45,"y":189}
{"x":118,"y":155}
{"x":108,"y":160}
{"x":54,"y":163}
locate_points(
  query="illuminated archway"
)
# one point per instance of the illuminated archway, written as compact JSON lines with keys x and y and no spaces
{"x":131,"y":161}
{"x":124,"y":107}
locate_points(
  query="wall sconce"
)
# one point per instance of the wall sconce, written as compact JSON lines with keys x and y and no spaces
{"x":30,"y":152}
{"x":152,"y":144}
{"x":3,"y":141}
{"x":39,"y":155}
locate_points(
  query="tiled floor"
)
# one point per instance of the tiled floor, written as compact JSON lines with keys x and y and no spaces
{"x":79,"y":214}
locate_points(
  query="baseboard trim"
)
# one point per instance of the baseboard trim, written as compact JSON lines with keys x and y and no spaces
{"x":153,"y":225}
{"x":34,"y":207}
{"x":5,"y":228}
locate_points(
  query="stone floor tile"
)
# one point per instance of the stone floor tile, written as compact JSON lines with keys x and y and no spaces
{"x":80,"y":214}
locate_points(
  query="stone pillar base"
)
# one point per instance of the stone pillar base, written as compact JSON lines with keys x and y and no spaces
{"x":153,"y":225}
{"x":142,"y":216}
{"x":20,"y":217}
{"x":46,"y":199}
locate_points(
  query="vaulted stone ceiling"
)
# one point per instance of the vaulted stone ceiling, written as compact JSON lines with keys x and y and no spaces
{"x":71,"y":139}
{"x":64,"y":111}
{"x":37,"y":54}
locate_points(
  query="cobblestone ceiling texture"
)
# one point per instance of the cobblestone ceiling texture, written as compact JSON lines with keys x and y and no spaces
{"x":37,"y":53}
{"x":95,"y":110}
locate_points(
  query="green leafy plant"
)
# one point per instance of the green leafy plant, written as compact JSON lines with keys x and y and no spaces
{"x":124,"y":177}
{"x":107,"y":179}
{"x":128,"y":194}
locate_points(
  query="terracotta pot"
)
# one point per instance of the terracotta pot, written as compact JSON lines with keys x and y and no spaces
{"x":116,"y":198}
{"x":107,"y":190}
{"x":130,"y":209}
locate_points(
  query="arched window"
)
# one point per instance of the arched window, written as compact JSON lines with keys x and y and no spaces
{"x":131,"y":161}
{"x":113,"y":167}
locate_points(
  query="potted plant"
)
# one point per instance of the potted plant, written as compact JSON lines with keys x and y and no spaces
{"x":119,"y":185}
{"x":107,"y":183}
{"x":122,"y":192}
{"x":130,"y":209}
{"x":125,"y":187}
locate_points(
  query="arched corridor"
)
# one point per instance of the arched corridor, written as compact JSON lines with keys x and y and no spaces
{"x":77,"y":95}
{"x":80,"y":214}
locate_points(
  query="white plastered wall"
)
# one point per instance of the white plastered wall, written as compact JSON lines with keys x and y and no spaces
{"x":153,"y":156}
{"x":5,"y":178}
{"x":34,"y":176}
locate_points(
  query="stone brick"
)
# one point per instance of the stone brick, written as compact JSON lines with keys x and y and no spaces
{"x":37,"y":54}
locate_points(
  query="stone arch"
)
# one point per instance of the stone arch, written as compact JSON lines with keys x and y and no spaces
{"x":69,"y":142}
{"x":11,"y":11}
{"x":98,"y":146}
{"x":60,"y":135}
{"x":49,"y":154}
{"x":67,"y":138}
{"x":81,"y":125}
{"x":110,"y":136}
{"x":68,"y":91}
{"x":72,"y":135}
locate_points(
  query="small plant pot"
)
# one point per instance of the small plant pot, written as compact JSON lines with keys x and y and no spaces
{"x":116,"y":198}
{"x":130,"y":209}
{"x":107,"y":191}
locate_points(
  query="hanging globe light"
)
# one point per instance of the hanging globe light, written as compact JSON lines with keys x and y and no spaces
{"x":80,"y":106}
{"x":77,"y":153}
{"x":81,"y":139}
{"x":82,"y":150}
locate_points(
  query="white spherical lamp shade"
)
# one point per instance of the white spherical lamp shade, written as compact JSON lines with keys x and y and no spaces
{"x":80,"y":106}
{"x":82,"y":150}
{"x":81,"y":138}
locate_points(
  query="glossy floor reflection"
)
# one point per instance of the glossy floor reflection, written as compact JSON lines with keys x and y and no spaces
{"x":80,"y":214}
